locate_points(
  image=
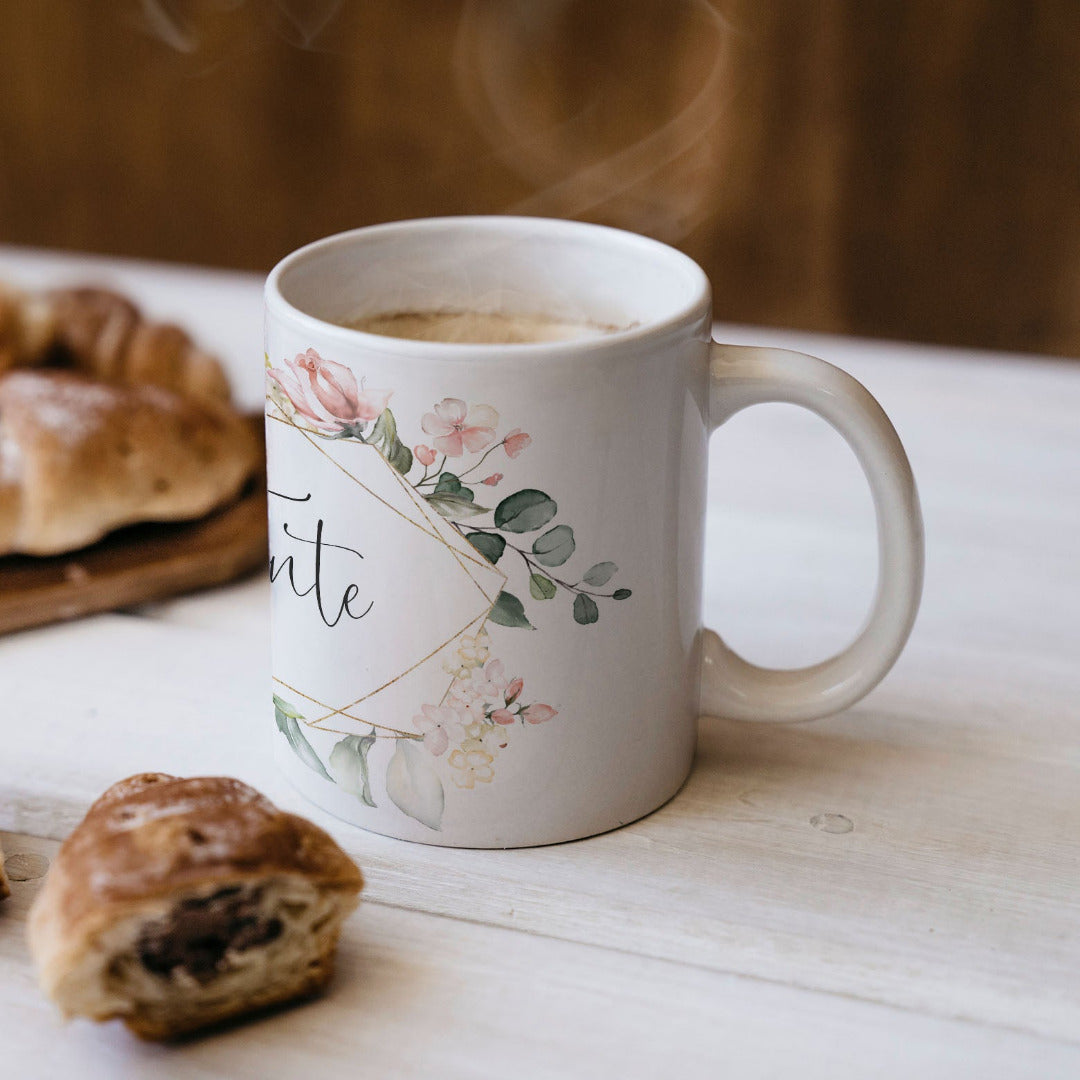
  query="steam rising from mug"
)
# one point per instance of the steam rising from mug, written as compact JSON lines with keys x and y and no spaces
{"x":657,"y":180}
{"x":300,"y":22}
{"x":618,"y":157}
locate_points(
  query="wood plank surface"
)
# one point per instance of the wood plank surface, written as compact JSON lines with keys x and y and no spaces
{"x":914,"y":859}
{"x":953,"y":892}
{"x":416,"y":995}
{"x":136,"y":565}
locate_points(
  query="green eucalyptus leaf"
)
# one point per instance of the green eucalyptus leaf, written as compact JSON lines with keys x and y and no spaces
{"x":287,"y":708}
{"x":540,"y":587}
{"x":288,"y":727}
{"x":400,"y":457}
{"x":349,"y":762}
{"x":621,"y":594}
{"x":450,"y":484}
{"x":455,"y":506}
{"x":490,"y":545}
{"x":384,"y":429}
{"x":525,"y":511}
{"x":600,"y":574}
{"x":384,"y":436}
{"x":509,"y":611}
{"x":555,"y":546}
{"x":585,"y":610}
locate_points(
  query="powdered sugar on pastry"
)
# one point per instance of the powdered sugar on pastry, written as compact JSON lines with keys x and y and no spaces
{"x":80,"y":457}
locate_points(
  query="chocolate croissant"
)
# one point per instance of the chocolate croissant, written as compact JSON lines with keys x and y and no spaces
{"x":80,"y":457}
{"x":101,"y":333}
{"x":178,"y":903}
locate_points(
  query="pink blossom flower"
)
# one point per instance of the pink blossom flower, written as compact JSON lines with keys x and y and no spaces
{"x":326,"y":392}
{"x":537,"y":714}
{"x":424,"y":454}
{"x":439,"y":724}
{"x":469,"y":712}
{"x":513,"y":690}
{"x":516,"y":442}
{"x":463,"y":693}
{"x":457,"y":428}
{"x":503,"y":716}
{"x":489,"y":682}
{"x":493,"y":479}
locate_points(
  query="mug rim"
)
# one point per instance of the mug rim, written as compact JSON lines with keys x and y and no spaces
{"x":686,"y":316}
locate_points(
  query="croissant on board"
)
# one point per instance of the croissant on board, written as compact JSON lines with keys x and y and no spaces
{"x":80,"y":457}
{"x":27,"y":328}
{"x":103,"y":334}
{"x":179,"y":903}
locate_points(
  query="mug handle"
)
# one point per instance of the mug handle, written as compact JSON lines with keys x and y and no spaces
{"x":735,"y":689}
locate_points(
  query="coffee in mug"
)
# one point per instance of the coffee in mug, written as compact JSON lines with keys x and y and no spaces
{"x":475,"y":327}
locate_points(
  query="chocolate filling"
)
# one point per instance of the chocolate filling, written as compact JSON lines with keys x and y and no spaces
{"x":196,"y":934}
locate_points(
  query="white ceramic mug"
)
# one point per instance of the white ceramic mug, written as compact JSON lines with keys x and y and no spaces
{"x":487,"y":559}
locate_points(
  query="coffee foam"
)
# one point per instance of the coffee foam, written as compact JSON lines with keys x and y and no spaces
{"x":475,"y":327}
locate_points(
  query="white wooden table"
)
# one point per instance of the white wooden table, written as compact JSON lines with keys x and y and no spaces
{"x":888,"y":893}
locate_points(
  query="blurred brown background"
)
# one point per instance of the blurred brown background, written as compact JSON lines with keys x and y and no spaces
{"x":906,"y":169}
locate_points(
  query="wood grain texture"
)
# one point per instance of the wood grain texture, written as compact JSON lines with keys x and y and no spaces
{"x":417,"y":995}
{"x":952,"y":894}
{"x":908,"y":171}
{"x":950,"y":902}
{"x":136,"y":565}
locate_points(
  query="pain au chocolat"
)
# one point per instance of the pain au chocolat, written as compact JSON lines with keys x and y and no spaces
{"x":179,"y":903}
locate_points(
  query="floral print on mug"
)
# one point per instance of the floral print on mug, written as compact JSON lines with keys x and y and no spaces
{"x":485,"y":707}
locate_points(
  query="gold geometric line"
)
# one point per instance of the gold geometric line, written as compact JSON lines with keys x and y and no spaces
{"x":289,"y":422}
{"x":438,"y":648}
{"x":341,"y":731}
{"x":323,"y":705}
{"x":418,"y":499}
{"x":479,"y":560}
{"x":458,"y":556}
{"x":453,"y":678}
{"x":455,"y":555}
{"x":410,"y":492}
{"x":338,"y":465}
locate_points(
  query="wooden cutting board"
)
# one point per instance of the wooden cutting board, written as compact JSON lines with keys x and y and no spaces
{"x":138,"y":564}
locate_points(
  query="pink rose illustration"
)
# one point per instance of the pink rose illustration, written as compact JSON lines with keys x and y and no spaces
{"x":424,"y":454}
{"x":456,"y":428}
{"x":537,"y":714}
{"x":503,"y":716}
{"x":492,"y":480}
{"x":513,"y":691}
{"x":438,"y":723}
{"x":516,"y":442}
{"x":327,"y":394}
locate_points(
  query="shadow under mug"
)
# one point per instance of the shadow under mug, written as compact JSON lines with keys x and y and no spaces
{"x":486,"y":559}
